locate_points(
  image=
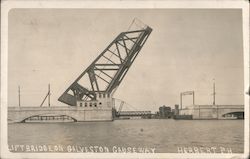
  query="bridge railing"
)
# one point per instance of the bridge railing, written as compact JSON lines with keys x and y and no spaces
{"x":215,"y":106}
{"x":42,"y":108}
{"x":135,"y":113}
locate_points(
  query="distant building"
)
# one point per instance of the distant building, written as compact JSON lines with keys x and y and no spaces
{"x":176,"y":110}
{"x":165,"y":112}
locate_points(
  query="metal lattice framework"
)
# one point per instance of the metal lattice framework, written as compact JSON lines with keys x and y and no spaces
{"x":186,"y":93}
{"x":108,"y":70}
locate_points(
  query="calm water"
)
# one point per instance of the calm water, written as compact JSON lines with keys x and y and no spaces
{"x":164,"y":135}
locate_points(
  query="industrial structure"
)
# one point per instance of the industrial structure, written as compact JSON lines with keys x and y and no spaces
{"x":165,"y":112}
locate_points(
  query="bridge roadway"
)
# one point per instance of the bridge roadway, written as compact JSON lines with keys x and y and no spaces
{"x":211,"y":111}
{"x":19,"y":114}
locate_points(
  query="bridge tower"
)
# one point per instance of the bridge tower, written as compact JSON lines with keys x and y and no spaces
{"x":106,"y":72}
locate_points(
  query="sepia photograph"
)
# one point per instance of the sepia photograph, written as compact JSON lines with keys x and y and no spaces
{"x":156,"y":81}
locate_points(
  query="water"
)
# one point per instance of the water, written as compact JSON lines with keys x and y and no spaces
{"x":165,"y":135}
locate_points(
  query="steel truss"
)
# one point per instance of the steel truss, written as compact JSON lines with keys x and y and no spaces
{"x":108,"y":70}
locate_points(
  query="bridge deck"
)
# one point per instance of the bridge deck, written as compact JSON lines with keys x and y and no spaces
{"x":18,"y":114}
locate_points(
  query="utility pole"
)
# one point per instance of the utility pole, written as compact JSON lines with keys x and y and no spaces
{"x":181,"y":101}
{"x":193,"y":97}
{"x":19,"y":94}
{"x":213,"y":92}
{"x":49,"y":95}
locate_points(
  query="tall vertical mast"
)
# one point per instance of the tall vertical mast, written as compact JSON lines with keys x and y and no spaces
{"x":49,"y":95}
{"x":213,"y":92}
{"x":19,"y":97}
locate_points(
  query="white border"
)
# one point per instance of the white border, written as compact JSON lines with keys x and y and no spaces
{"x":7,"y":5}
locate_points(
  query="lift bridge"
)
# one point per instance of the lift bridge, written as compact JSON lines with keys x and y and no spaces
{"x":90,"y":96}
{"x":107,"y":71}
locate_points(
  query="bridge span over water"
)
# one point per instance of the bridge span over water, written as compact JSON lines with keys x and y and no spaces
{"x":20,"y":114}
{"x":214,"y":111}
{"x":77,"y":114}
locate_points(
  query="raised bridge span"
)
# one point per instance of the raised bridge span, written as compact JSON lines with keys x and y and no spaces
{"x":90,"y":96}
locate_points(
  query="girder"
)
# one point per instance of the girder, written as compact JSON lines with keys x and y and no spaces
{"x":107,"y":71}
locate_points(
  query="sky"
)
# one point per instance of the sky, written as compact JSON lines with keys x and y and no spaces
{"x":186,"y":50}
